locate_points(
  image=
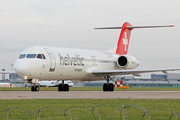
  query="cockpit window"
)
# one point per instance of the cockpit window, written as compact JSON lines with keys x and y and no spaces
{"x":31,"y":56}
{"x":22,"y":56}
{"x":41,"y":56}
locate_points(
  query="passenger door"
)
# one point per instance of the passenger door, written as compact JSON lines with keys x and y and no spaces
{"x":52,"y":59}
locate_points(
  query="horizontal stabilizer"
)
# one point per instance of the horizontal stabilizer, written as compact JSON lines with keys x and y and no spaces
{"x":109,"y":28}
{"x":132,"y":27}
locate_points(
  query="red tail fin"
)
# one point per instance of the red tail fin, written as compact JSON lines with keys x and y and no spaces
{"x":123,"y":43}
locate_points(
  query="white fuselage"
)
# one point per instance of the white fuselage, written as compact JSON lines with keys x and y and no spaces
{"x":63,"y":63}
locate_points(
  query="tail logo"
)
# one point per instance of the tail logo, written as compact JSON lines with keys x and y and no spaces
{"x":125,"y":41}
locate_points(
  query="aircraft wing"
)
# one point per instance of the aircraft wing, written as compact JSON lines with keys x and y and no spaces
{"x":7,"y":72}
{"x":128,"y":72}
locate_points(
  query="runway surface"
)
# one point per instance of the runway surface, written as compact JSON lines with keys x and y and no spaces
{"x":90,"y":94}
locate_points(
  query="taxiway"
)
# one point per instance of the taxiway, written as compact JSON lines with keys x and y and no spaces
{"x":90,"y":94}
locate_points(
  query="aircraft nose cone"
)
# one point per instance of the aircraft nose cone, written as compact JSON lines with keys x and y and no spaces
{"x":21,"y":68}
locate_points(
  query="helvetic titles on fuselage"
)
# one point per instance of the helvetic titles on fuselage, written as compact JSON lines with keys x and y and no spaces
{"x":77,"y":60}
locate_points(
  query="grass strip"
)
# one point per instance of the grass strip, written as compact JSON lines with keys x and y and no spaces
{"x":156,"y":108}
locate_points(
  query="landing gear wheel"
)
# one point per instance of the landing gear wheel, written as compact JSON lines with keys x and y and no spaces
{"x":105,"y":87}
{"x":60,"y":88}
{"x":108,"y":86}
{"x":37,"y":88}
{"x":63,"y":88}
{"x":111,"y":87}
{"x":32,"y":88}
{"x":66,"y":87}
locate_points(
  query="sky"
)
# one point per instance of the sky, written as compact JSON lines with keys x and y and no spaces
{"x":71,"y":23}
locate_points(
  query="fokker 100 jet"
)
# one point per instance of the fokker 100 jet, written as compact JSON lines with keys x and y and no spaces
{"x":39,"y":63}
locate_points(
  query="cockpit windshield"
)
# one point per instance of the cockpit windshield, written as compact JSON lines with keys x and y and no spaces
{"x":31,"y":55}
{"x":39,"y":56}
{"x":22,"y":56}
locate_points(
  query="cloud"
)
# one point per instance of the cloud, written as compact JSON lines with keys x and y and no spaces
{"x":40,"y":25}
{"x":70,"y":23}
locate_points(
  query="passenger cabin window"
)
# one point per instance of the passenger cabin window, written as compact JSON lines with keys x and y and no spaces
{"x":41,"y":56}
{"x":31,"y":56}
{"x":22,"y":56}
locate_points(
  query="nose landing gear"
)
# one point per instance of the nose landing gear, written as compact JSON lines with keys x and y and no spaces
{"x":35,"y":88}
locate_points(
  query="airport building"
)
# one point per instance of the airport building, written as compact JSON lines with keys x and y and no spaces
{"x":16,"y":80}
{"x":159,"y":76}
{"x":15,"y":77}
{"x":152,"y":83}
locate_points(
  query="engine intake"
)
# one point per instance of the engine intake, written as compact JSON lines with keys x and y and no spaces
{"x":122,"y":61}
{"x":127,"y":62}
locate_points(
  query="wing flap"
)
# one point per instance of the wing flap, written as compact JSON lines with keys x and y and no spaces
{"x":129,"y":72}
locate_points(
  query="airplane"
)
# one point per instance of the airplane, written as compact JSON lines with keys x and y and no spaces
{"x":54,"y":83}
{"x":6,"y":85}
{"x":39,"y":63}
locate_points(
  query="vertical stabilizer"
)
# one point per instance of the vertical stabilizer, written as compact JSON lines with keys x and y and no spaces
{"x":123,"y":43}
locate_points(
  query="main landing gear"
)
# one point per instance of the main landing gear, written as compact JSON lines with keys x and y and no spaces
{"x":35,"y":88}
{"x":63,"y":87}
{"x":108,"y":86}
